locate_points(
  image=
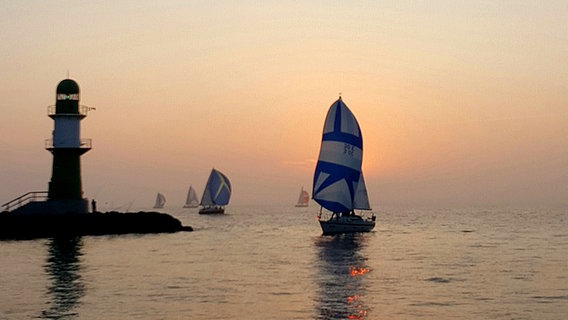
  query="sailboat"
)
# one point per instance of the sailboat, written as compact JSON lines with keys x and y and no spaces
{"x":338,"y":184}
{"x":217,"y":193}
{"x":303,"y":199}
{"x":191,"y":201}
{"x":160,"y":201}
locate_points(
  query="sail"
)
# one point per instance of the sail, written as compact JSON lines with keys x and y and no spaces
{"x":338,"y":169}
{"x":304,"y":198}
{"x":192,"y":199}
{"x":361,"y":200}
{"x":217,"y":190}
{"x":160,"y":201}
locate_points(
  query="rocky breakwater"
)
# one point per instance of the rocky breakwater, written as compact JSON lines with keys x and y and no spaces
{"x":20,"y":226}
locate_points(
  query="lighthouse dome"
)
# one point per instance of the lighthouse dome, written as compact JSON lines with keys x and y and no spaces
{"x":68,"y":86}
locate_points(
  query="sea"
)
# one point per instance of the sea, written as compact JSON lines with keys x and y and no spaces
{"x":274,"y":263}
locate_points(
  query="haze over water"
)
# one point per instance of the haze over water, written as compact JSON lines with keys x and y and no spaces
{"x":460,"y":103}
{"x":273,"y":263}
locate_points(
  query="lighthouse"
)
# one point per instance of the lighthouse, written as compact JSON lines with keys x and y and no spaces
{"x":65,"y":189}
{"x":62,"y":210}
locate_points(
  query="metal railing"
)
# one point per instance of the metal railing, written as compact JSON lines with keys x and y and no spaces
{"x":83,"y":144}
{"x":25,"y":199}
{"x":83,"y":110}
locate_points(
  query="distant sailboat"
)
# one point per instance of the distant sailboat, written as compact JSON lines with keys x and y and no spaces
{"x":192,"y":201}
{"x":160,"y":201}
{"x":304,"y":198}
{"x":339,"y":185}
{"x":217,"y":193}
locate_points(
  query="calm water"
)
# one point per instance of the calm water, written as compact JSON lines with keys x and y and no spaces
{"x":273,"y":263}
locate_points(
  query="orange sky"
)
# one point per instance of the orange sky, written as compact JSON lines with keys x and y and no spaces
{"x":460,"y":103}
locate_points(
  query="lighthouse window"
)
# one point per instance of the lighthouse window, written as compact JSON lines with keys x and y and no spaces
{"x":63,"y":96}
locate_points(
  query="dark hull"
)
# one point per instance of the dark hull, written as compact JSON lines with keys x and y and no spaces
{"x":351,"y":224}
{"x":212,"y":210}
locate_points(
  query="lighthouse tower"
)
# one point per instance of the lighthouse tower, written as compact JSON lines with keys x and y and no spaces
{"x":65,"y":188}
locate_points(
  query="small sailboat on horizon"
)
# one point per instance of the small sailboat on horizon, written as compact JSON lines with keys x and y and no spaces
{"x":338,"y":184}
{"x":217,"y":193}
{"x":191,"y":201}
{"x":303,"y":199}
{"x":160,"y":201}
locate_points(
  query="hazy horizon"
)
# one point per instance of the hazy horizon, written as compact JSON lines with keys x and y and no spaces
{"x":459,"y":103}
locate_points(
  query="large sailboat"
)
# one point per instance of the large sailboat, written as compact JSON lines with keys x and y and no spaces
{"x":160,"y":201}
{"x":191,"y":201}
{"x":339,"y":185}
{"x":304,"y":198}
{"x":217,"y":193}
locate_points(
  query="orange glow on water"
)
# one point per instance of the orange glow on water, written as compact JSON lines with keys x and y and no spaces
{"x":351,"y":299}
{"x":358,"y":271}
{"x":360,"y":312}
{"x":359,"y":315}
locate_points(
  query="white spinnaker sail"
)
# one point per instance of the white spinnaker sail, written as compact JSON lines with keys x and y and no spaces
{"x":160,"y":201}
{"x":304,"y":197}
{"x":191,"y":197}
{"x":361,"y":201}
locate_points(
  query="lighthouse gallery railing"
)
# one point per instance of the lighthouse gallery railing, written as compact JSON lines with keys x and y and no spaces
{"x":83,"y":144}
{"x":83,"y":110}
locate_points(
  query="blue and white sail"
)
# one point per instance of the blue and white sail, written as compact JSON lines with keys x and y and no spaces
{"x":338,"y":170}
{"x":217,"y":191}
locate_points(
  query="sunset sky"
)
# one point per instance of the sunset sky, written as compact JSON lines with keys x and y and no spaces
{"x":459,"y":102}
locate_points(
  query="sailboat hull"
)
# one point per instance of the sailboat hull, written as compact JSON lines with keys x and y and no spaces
{"x":349,"y":224}
{"x":212,"y":210}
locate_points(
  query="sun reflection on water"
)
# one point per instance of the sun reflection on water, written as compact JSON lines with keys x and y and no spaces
{"x":341,"y":277}
{"x":358,"y":271}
